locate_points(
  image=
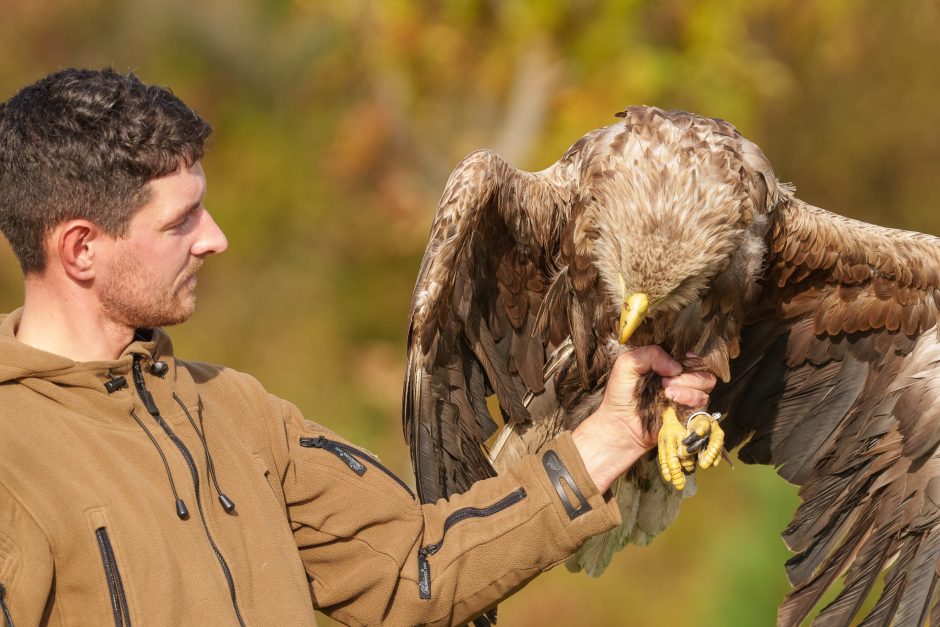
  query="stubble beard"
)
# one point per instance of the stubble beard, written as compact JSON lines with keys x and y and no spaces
{"x":136,"y":297}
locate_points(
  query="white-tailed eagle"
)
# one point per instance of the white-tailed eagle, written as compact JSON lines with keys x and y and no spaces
{"x":671,"y":228}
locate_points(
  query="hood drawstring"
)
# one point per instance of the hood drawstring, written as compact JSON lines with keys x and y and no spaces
{"x":227,"y":504}
{"x":181,"y":509}
{"x":160,"y":368}
{"x":112,"y":385}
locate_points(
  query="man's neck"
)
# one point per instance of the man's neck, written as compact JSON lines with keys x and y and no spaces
{"x":61,"y":322}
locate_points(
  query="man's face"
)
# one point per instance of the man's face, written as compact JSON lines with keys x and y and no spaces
{"x":148,"y":277}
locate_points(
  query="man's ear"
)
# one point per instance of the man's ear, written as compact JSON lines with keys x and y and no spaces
{"x":77,"y":243}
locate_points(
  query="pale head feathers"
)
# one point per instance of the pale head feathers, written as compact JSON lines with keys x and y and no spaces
{"x":671,"y":212}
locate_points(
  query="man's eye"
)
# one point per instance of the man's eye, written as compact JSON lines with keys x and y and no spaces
{"x":184,"y":221}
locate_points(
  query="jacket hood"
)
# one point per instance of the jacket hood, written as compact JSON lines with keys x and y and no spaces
{"x":21,"y":361}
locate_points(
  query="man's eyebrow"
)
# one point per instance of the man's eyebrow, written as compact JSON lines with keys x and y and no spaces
{"x":185,"y":212}
{"x":194,"y":206}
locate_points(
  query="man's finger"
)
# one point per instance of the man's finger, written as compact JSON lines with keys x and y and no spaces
{"x":642,"y":360}
{"x":698,"y":379}
{"x":686,"y":396}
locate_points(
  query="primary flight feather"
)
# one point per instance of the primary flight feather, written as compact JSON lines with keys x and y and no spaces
{"x":671,"y":228}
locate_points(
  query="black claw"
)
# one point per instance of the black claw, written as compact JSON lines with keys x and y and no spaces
{"x":695,"y":443}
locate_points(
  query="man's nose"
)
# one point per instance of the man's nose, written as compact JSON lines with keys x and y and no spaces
{"x":211,"y":238}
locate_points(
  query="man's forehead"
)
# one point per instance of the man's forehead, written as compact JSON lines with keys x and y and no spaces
{"x":172,"y":195}
{"x":185,"y":183}
{"x":185,"y":178}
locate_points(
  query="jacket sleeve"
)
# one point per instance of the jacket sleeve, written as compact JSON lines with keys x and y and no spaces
{"x":375,"y":555}
{"x":25,"y":564}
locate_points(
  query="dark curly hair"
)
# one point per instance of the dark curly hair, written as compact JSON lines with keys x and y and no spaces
{"x":84,"y":144}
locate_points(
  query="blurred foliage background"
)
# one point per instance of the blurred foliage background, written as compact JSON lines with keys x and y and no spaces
{"x":337,"y":123}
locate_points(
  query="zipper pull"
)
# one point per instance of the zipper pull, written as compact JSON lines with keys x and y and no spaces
{"x":328,"y":445}
{"x":424,"y":569}
{"x":145,"y":396}
{"x":424,"y":574}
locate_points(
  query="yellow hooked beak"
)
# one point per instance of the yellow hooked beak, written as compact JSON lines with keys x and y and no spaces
{"x":632,"y":314}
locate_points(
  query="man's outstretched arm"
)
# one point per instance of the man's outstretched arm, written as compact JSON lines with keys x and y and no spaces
{"x":374,"y":555}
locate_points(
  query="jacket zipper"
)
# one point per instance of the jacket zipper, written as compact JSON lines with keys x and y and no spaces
{"x":424,"y":568}
{"x":122,"y":616}
{"x":3,"y":606}
{"x":349,"y":454}
{"x":152,"y":409}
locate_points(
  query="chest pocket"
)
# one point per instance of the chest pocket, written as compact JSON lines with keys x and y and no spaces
{"x":112,"y":581}
{"x":7,"y":618}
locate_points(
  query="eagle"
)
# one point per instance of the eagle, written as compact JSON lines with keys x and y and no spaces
{"x":671,"y":228}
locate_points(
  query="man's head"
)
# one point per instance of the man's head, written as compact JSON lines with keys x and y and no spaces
{"x":84,"y":144}
{"x":147,"y":278}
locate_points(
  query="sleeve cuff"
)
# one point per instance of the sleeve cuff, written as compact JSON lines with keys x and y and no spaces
{"x":580,"y":507}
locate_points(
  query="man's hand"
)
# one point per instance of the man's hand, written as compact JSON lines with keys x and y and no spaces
{"x":612,"y":438}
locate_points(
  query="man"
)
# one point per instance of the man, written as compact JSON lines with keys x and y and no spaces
{"x":135,"y":487}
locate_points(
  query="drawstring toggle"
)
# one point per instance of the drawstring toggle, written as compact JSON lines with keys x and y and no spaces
{"x":227,"y":504}
{"x":114,"y":384}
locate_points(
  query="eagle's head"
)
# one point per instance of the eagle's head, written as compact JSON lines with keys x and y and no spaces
{"x":680,"y":205}
{"x":666,"y":228}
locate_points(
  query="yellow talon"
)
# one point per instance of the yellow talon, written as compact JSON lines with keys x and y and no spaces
{"x":706,"y":438}
{"x":672,"y":453}
{"x":675,"y":460}
{"x":700,"y":424}
{"x":711,"y":456}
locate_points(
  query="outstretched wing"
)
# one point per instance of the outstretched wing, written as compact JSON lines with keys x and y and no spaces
{"x":837,"y":386}
{"x":485,"y":273}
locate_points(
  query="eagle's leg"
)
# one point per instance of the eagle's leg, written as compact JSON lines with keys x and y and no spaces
{"x":679,"y":444}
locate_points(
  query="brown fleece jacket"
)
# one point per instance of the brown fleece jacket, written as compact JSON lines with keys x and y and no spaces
{"x":90,"y":533}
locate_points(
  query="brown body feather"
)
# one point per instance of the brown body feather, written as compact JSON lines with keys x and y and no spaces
{"x":822,"y":328}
